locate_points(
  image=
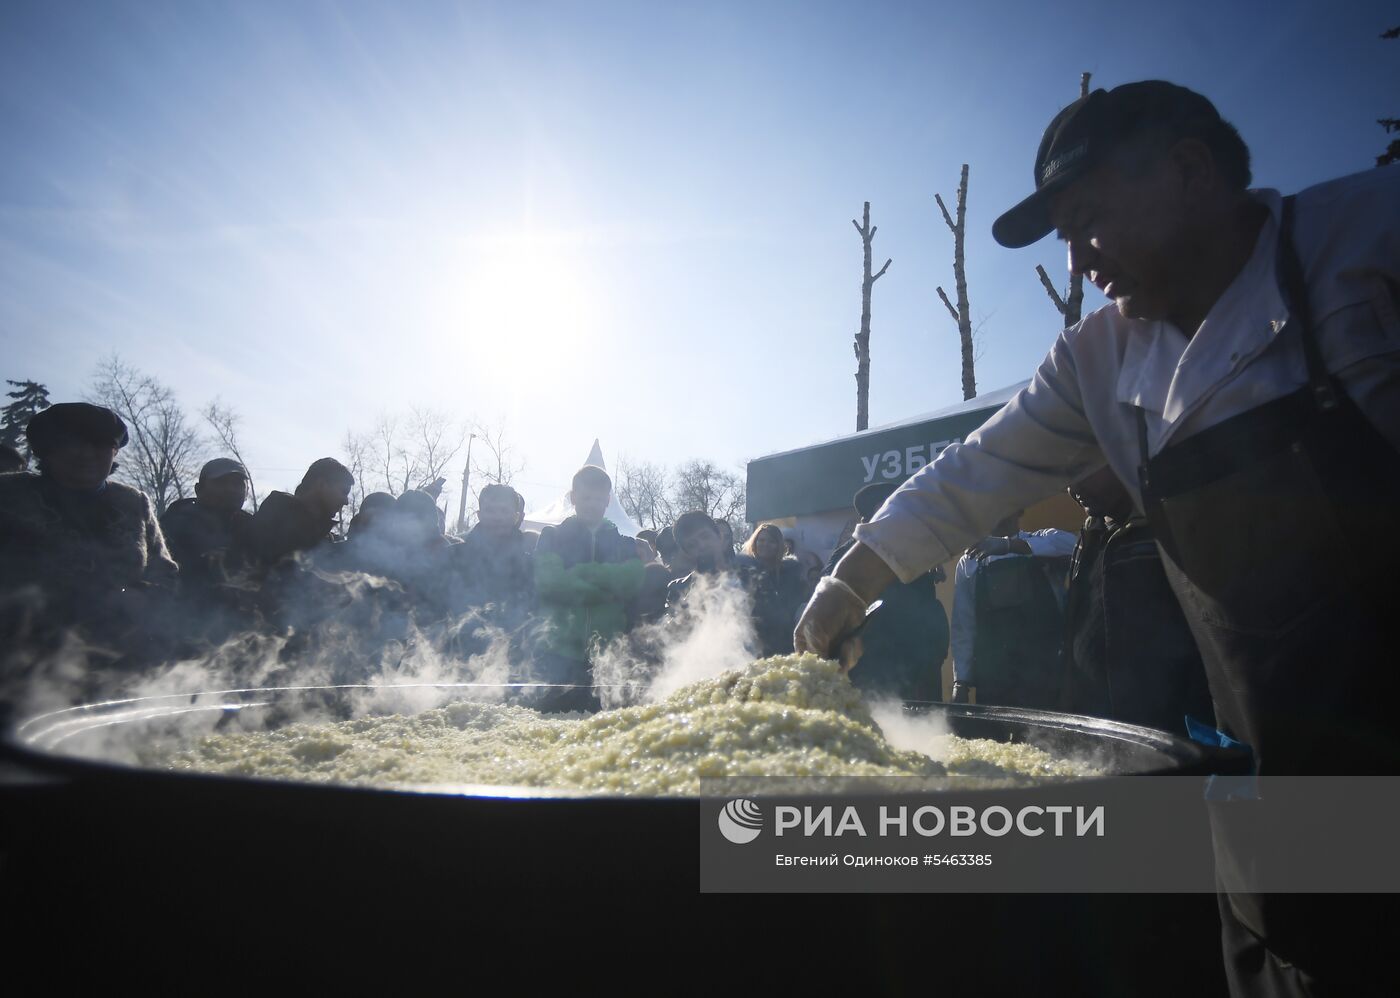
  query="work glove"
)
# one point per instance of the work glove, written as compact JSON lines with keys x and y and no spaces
{"x":832,"y":615}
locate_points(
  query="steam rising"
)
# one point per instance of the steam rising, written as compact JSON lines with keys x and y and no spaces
{"x":357,"y":634}
{"x":712,"y":633}
{"x":342,"y":628}
{"x":926,"y":733}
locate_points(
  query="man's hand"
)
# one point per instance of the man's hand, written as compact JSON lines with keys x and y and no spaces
{"x":833,"y":613}
{"x":993,"y":546}
{"x":836,"y":610}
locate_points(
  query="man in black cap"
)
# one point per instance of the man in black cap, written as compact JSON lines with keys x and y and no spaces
{"x":208,"y":533}
{"x":78,"y":551}
{"x":1244,"y":383}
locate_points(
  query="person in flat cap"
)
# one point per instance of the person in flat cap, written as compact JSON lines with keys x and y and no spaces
{"x":78,"y":553}
{"x":1243,"y":382}
{"x":209,"y":534}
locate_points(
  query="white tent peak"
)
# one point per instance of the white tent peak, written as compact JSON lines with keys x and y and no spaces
{"x":561,"y":509}
{"x":595,"y":456}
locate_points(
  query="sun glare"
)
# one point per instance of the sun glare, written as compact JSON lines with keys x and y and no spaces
{"x":527,"y":308}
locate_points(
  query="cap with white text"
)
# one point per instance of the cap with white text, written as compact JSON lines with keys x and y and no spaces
{"x":1081,"y":134}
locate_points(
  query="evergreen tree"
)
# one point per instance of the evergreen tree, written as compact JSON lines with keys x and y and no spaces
{"x":29,"y":398}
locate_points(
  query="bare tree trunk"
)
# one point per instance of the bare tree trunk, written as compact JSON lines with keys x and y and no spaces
{"x":164,"y":448}
{"x":1071,"y":306}
{"x":224,"y":420}
{"x":962,"y":315}
{"x":862,"y":344}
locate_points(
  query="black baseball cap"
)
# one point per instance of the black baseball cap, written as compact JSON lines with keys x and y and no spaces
{"x":1081,"y":135}
{"x":219,"y":467}
{"x":868,"y":500}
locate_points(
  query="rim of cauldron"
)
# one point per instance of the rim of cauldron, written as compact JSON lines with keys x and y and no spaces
{"x":1188,"y":758}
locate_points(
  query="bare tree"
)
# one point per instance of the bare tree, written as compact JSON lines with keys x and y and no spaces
{"x":1071,"y":306}
{"x":704,"y":485}
{"x":355,"y":448}
{"x":224,"y":420}
{"x":390,"y":465}
{"x":862,"y":344}
{"x":435,"y":438}
{"x":643,"y":490}
{"x":962,"y":315}
{"x":163,"y":455}
{"x":404,"y":452}
{"x":493,"y":462}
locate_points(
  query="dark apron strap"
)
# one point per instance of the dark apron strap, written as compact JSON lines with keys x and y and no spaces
{"x":1295,"y":293}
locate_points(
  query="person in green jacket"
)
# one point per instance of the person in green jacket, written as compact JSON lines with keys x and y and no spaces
{"x":586,"y":576}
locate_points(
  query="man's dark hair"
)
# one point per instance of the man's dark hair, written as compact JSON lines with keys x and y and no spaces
{"x":419,"y":506}
{"x":326,"y":469}
{"x":647,"y":535}
{"x":692,"y":522}
{"x":496,"y":488}
{"x":591,"y":474}
{"x":1223,"y":140}
{"x":666,"y":542}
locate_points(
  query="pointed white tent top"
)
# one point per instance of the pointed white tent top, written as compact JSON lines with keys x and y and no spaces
{"x":561,"y":509}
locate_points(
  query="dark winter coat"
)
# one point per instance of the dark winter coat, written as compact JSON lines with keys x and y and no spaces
{"x":905,"y":641}
{"x":284,"y":526}
{"x":69,"y":558}
{"x":211,"y":548}
{"x":496,"y":571}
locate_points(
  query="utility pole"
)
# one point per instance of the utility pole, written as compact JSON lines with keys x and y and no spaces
{"x":466,"y":485}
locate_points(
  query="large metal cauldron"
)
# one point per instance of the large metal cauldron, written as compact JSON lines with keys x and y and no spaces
{"x":159,"y":863}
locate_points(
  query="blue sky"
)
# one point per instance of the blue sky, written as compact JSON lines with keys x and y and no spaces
{"x":614,"y":220}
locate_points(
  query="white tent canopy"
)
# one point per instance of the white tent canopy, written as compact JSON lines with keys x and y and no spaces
{"x":561,"y":509}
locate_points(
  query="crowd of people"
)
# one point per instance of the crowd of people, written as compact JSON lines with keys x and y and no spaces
{"x":88,"y":564}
